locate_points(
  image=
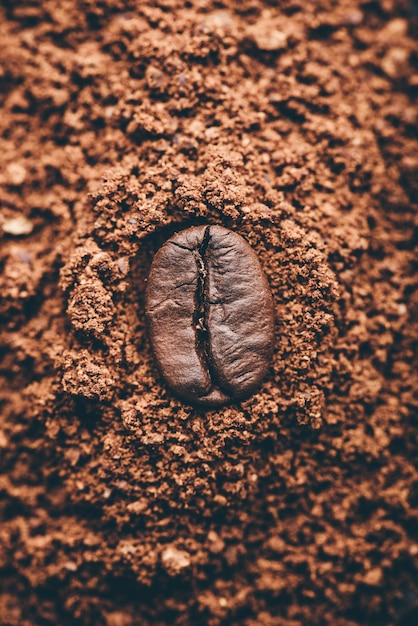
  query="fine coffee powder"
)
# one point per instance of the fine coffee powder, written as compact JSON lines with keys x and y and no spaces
{"x":210,"y":315}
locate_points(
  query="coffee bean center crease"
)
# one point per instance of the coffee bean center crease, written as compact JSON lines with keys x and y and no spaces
{"x":201,"y":312}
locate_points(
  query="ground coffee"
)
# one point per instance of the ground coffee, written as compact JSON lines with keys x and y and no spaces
{"x":293,"y":124}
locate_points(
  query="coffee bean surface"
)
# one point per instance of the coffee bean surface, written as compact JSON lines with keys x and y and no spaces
{"x":210,"y":316}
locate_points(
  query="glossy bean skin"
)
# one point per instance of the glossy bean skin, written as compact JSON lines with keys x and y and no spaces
{"x":210,"y":316}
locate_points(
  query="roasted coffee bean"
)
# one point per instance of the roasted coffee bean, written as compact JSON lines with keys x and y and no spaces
{"x":210,"y":315}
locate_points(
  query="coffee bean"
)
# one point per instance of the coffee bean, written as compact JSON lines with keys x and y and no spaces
{"x":210,"y":315}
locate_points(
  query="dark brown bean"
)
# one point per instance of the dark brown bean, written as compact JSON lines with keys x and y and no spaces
{"x":210,"y":315}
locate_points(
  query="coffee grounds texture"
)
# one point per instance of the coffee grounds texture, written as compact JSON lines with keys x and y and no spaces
{"x":295,"y":125}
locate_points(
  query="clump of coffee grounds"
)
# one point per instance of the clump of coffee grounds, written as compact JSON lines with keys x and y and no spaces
{"x":294,"y":124}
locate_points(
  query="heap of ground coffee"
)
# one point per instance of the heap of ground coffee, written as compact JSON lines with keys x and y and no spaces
{"x":294,"y":125}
